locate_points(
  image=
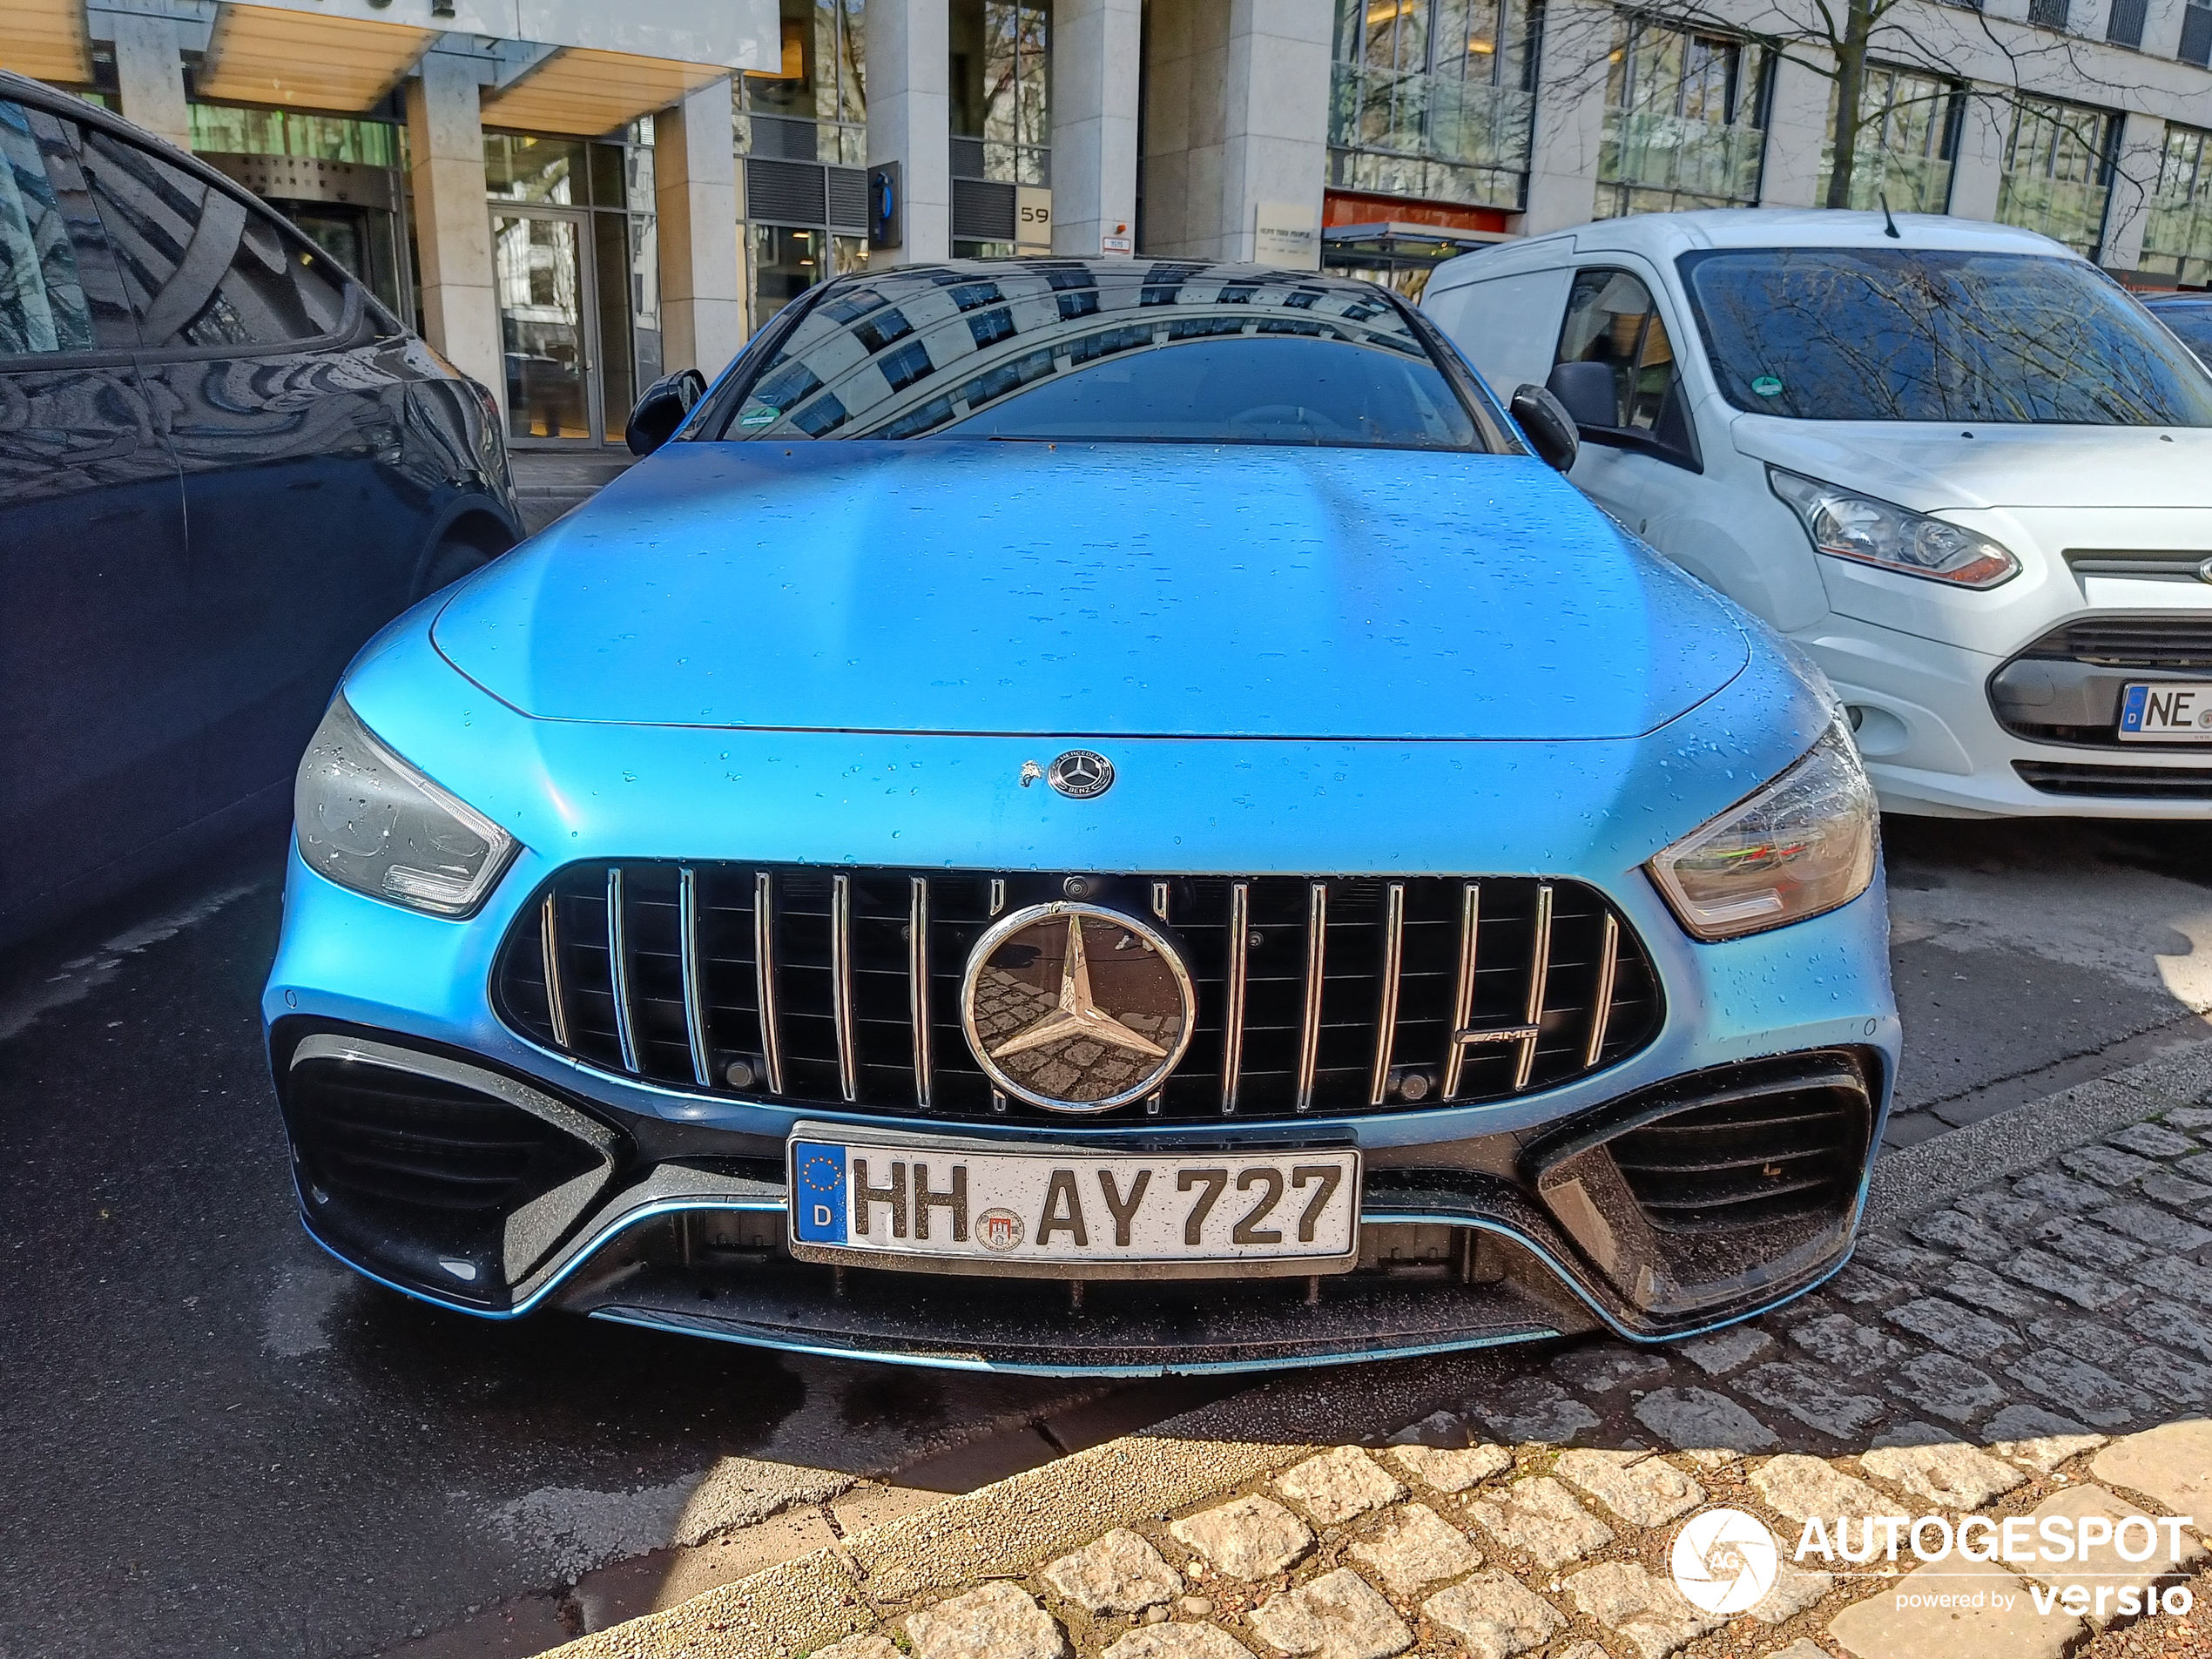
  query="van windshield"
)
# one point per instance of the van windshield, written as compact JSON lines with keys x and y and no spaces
{"x":1939,"y":335}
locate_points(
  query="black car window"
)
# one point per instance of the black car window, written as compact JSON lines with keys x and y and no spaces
{"x":1611,"y":319}
{"x":1124,"y":351}
{"x":1939,"y":335}
{"x":42,"y":299}
{"x":1240,"y":390}
{"x":201,"y":267}
{"x":2191,"y":320}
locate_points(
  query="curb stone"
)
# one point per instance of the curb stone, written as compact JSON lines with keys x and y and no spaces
{"x":1522,"y":1589}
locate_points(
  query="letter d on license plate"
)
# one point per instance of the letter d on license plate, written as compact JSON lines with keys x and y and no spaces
{"x":954,"y":1205}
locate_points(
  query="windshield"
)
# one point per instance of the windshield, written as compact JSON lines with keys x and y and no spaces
{"x":1825,"y":334}
{"x":1121,"y":351}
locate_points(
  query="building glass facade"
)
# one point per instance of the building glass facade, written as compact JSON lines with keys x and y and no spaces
{"x":2058,"y":171}
{"x":1000,"y":80}
{"x":801,"y":132}
{"x":1685,"y":114}
{"x":1908,"y":139}
{"x":575,"y":259}
{"x":1434,"y":99}
{"x":2177,"y":241}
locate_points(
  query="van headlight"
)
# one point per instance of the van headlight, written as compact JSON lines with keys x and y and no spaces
{"x":1798,"y":848}
{"x":1875,"y":532}
{"x":367,"y":820}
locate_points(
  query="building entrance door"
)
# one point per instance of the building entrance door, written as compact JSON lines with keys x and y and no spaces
{"x":548,"y":328}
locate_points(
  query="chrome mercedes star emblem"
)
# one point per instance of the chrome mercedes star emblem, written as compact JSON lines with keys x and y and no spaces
{"x":1081,"y":774}
{"x":1076,"y":1008}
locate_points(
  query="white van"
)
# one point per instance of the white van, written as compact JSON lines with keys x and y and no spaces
{"x":1953,"y":460}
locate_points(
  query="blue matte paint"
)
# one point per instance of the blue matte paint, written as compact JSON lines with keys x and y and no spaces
{"x":1114,"y":590}
{"x":1345,"y":661}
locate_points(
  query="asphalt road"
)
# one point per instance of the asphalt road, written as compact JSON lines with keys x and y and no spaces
{"x":214,"y":1441}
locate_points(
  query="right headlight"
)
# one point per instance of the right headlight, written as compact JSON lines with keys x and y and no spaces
{"x":369,"y":821}
{"x":1877,"y":532}
{"x":1800,"y":847}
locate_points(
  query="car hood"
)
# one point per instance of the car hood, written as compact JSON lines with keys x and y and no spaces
{"x":1103,"y":589}
{"x":1929,"y":467}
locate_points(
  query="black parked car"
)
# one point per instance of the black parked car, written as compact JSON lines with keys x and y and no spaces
{"x":223,"y":466}
{"x":2189,"y":315}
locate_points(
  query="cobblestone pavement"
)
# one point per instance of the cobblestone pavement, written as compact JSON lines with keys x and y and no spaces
{"x":2041,"y":1346}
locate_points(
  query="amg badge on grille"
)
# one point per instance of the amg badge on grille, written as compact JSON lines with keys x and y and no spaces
{"x":1075,"y":1008}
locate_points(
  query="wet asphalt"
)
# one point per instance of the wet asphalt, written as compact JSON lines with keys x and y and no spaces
{"x":214,"y":1441}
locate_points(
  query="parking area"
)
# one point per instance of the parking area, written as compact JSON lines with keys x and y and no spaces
{"x":220,"y":1443}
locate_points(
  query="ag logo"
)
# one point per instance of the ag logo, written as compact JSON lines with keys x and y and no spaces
{"x":1724,"y":1562}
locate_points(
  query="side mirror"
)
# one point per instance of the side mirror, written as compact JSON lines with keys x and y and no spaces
{"x":1550,"y":429}
{"x":1586,"y":391}
{"x":662,"y":410}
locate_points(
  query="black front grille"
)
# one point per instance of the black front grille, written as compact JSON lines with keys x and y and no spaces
{"x":2153,"y":783}
{"x":383,"y":1137}
{"x":662,"y":971}
{"x":1778,"y":1157}
{"x":2177,"y":640}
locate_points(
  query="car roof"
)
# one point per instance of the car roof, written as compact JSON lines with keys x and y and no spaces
{"x":1660,"y":237}
{"x":2176,"y":301}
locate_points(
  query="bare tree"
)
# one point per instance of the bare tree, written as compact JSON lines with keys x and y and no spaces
{"x":1996,"y":61}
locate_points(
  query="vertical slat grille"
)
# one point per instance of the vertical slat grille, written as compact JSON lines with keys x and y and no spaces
{"x":694,"y":989}
{"x":763,"y":978}
{"x":1341,"y":994}
{"x":918,"y":984}
{"x":1232,"y":1036}
{"x":618,"y":965}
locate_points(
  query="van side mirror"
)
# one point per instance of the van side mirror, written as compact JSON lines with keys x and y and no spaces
{"x":1550,"y":429}
{"x":667,"y":401}
{"x":1586,"y":392}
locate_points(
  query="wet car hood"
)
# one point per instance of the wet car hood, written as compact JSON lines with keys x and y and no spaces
{"x":1126,"y":590}
{"x":1929,"y":467}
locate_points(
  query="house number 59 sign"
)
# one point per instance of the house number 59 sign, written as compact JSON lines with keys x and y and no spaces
{"x":1032,"y":219}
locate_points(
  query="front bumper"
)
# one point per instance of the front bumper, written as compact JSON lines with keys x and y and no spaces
{"x":1933,"y":742}
{"x":539,"y":1182}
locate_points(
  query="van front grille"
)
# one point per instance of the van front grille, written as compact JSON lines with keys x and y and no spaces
{"x":842,"y":986}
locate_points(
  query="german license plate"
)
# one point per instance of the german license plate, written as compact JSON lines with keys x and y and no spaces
{"x":2167,"y":711}
{"x":958,"y":1205}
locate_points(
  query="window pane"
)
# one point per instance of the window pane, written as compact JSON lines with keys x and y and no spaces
{"x":1248,"y":359}
{"x":201,"y":266}
{"x":42,"y":302}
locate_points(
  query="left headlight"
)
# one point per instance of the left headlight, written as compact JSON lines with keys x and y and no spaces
{"x":369,"y":821}
{"x":1879,"y":532}
{"x":1800,"y":847}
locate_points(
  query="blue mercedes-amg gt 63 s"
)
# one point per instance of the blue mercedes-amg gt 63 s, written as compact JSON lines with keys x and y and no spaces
{"x":1087,"y":816}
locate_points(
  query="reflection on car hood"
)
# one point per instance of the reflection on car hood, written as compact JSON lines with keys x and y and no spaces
{"x":1928,"y":468}
{"x":1108,"y":589}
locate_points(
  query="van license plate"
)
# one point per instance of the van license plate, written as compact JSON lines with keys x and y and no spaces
{"x":2167,"y":711}
{"x":957,"y":1205}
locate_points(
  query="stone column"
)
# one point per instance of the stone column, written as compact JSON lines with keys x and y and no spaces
{"x":1570,"y":123}
{"x":1797,"y":128}
{"x":1978,"y":174}
{"x":695,"y":202}
{"x":1275,"y":133}
{"x":452,"y":221}
{"x":2142,"y":137}
{"x":1096,"y":45}
{"x":150,"y":77}
{"x":909,"y":68}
